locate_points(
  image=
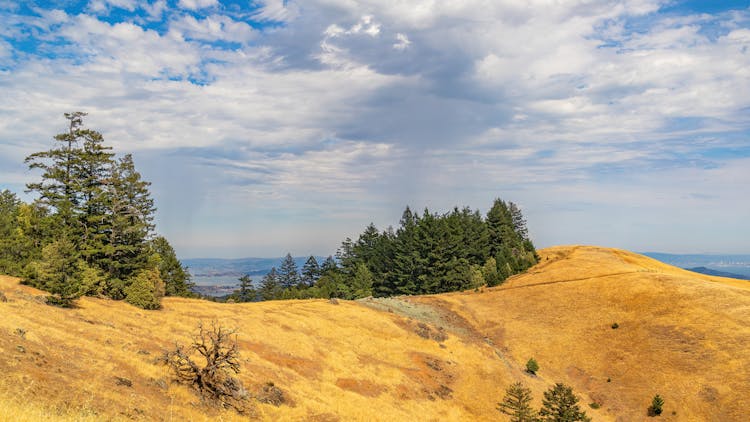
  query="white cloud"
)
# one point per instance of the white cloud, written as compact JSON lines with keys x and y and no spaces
{"x":197,"y":4}
{"x":277,"y":11}
{"x":213,"y":28}
{"x":402,"y":42}
{"x":552,"y":103}
{"x":104,"y":6}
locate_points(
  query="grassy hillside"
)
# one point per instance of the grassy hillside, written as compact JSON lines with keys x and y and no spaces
{"x":681,"y":334}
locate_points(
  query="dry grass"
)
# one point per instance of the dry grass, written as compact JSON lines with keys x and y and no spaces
{"x":681,"y":335}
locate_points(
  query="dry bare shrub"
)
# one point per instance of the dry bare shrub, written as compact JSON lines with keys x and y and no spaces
{"x":271,"y":394}
{"x":215,"y":380}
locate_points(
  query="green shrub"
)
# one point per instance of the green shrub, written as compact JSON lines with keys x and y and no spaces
{"x":532,"y":366}
{"x":615,"y":325}
{"x":656,"y":406}
{"x":145,"y":290}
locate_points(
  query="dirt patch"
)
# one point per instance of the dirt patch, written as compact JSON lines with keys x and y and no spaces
{"x":361,"y":387}
{"x":306,"y":368}
{"x":433,"y":376}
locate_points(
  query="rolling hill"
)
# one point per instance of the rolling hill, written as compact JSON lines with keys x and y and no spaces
{"x":681,"y":334}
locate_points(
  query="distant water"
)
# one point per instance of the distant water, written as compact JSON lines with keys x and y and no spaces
{"x":737,"y":264}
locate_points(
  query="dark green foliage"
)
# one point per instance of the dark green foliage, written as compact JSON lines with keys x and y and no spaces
{"x":247,"y":292}
{"x":615,"y":325}
{"x":269,"y":286}
{"x":361,"y":282}
{"x":561,"y":405}
{"x":532,"y":366}
{"x":58,"y":272}
{"x":656,"y":407}
{"x":145,"y":290}
{"x":517,"y":404}
{"x":328,"y":265}
{"x":431,"y":253}
{"x":310,"y":272}
{"x":288,"y":276}
{"x":89,"y":230}
{"x":176,"y":277}
{"x":595,"y":405}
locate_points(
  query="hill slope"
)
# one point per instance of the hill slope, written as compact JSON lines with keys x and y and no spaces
{"x":682,"y":335}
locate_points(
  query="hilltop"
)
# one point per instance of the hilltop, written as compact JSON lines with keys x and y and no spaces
{"x":681,"y":334}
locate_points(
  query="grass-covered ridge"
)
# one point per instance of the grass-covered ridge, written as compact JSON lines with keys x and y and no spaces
{"x":451,"y":356}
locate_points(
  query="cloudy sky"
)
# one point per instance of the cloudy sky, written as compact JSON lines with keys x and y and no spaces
{"x":268,"y":126}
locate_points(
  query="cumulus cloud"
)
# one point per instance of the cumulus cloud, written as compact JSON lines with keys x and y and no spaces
{"x":197,"y":4}
{"x":371,"y":104}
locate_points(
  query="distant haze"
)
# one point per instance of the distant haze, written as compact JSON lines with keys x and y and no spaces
{"x":269,"y":127}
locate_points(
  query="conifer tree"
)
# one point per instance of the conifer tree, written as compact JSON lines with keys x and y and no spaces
{"x":270,"y":288}
{"x":310,"y":271}
{"x":57,"y":272}
{"x":288,"y":275}
{"x":517,"y":404}
{"x":329,"y":265}
{"x":247,"y":291}
{"x":561,"y":405}
{"x":10,"y":254}
{"x":361,"y":285}
{"x":145,"y":289}
{"x":176,"y":277}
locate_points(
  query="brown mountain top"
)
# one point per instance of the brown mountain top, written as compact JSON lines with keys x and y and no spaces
{"x":443,"y":357}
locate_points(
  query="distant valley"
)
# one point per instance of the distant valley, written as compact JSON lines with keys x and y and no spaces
{"x":218,"y":277}
{"x":733,"y":266}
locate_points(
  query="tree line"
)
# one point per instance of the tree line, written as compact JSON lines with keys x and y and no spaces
{"x":428,"y":253}
{"x":90,"y":231}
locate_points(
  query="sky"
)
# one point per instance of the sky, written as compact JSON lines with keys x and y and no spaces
{"x":275,"y":126}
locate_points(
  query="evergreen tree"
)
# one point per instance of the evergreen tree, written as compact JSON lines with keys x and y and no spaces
{"x":329,"y":265}
{"x":362,"y":282}
{"x":11,"y":257}
{"x":490,"y":273}
{"x":176,"y":278}
{"x":270,"y":288}
{"x":561,"y":405}
{"x":58,"y":189}
{"x":247,"y":292}
{"x":57,"y":272}
{"x":145,"y":289}
{"x":519,"y":222}
{"x":131,"y":214}
{"x":517,"y":404}
{"x":310,"y":271}
{"x":288,"y":275}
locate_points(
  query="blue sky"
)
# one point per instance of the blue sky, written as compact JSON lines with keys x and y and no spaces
{"x":270,"y":126}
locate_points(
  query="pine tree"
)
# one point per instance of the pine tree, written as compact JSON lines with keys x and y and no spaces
{"x":131,"y":214}
{"x":176,"y":278}
{"x":329,"y":265}
{"x":517,"y":404}
{"x":145,"y":289}
{"x":10,"y":255}
{"x":561,"y":405}
{"x":310,"y":272}
{"x":58,"y":189}
{"x":247,"y":291}
{"x":270,"y":288}
{"x":288,"y":275}
{"x":361,"y":282}
{"x":57,"y":272}
{"x":519,"y":222}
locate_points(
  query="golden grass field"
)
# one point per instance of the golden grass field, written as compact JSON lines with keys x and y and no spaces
{"x":682,"y":335}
